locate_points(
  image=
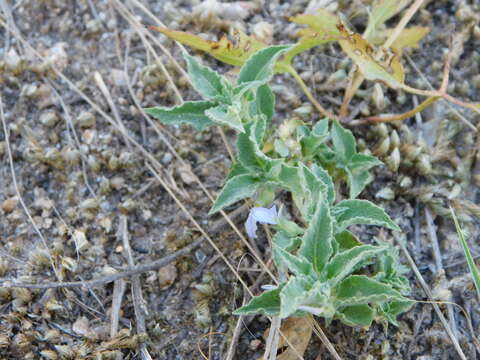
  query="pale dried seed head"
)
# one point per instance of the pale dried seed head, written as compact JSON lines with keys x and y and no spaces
{"x":49,"y":354}
{"x":395,"y":139}
{"x":22,"y":294}
{"x":393,"y":160}
{"x":382,"y":147}
{"x":424,"y":164}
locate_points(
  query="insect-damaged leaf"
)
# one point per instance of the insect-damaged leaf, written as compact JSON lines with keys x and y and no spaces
{"x":230,"y":52}
{"x":362,"y":53}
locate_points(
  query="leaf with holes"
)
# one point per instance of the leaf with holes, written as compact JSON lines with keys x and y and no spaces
{"x":230,"y":52}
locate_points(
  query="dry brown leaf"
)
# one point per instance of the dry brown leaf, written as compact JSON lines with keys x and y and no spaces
{"x":298,"y":331}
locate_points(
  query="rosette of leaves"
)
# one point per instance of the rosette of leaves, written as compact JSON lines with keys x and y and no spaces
{"x":325,"y":261}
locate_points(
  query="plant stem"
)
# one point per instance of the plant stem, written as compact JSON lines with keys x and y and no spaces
{"x":309,"y":95}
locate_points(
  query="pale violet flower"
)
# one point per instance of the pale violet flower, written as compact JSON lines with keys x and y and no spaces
{"x":261,"y":215}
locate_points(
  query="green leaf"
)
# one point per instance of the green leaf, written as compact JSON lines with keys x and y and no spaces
{"x":357,"y":180}
{"x":394,"y":308}
{"x":357,"y":315}
{"x":237,"y":169}
{"x":350,"y":212}
{"x":363,"y":162}
{"x":343,"y":142}
{"x":226,"y":115}
{"x":360,"y":289}
{"x":281,"y":148}
{"x":284,"y":241}
{"x":249,"y":152}
{"x":298,"y":265}
{"x":311,"y":141}
{"x":190,"y":112}
{"x":265,"y":102}
{"x":349,"y":261}
{"x":206,"y":82}
{"x":237,"y":188}
{"x":326,"y":179}
{"x":314,"y":190}
{"x":267,"y":303}
{"x":259,"y":67}
{"x":468,"y":254}
{"x":317,"y":241}
{"x":346,"y":240}
{"x":302,"y":290}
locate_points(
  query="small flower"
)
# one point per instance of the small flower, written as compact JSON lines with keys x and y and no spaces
{"x":261,"y":215}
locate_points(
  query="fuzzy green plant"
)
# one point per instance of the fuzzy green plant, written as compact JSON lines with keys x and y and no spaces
{"x":327,"y":271}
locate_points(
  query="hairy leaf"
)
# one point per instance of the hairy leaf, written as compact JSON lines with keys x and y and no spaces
{"x":267,"y":303}
{"x":206,"y":82}
{"x":227,"y":116}
{"x":298,"y":265}
{"x":259,"y":67}
{"x":301,"y":290}
{"x":346,"y":240}
{"x":357,"y":315}
{"x":343,"y":142}
{"x":264,"y":103}
{"x":350,"y":212}
{"x":317,"y":241}
{"x":190,"y":112}
{"x":357,"y":180}
{"x":360,"y":289}
{"x":326,"y":179}
{"x":235,"y":189}
{"x":349,"y":261}
{"x":394,"y":308}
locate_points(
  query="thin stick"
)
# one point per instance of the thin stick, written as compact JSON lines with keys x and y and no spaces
{"x":402,"y":23}
{"x":118,"y":291}
{"x":429,"y":294}
{"x":137,"y":297}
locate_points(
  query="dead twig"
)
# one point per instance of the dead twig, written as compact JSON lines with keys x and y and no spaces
{"x":117,"y":297}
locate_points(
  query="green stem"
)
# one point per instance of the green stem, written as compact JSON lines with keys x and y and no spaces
{"x":307,"y":92}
